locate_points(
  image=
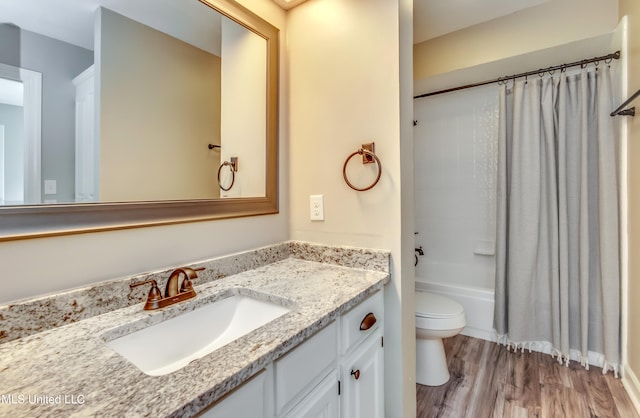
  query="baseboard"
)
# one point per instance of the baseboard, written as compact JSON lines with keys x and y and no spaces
{"x":632,"y":385}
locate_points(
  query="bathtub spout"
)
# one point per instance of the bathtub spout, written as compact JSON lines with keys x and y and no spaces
{"x":418,"y":251}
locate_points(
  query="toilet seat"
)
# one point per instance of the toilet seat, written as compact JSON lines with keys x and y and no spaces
{"x":430,"y":305}
{"x":438,"y":312}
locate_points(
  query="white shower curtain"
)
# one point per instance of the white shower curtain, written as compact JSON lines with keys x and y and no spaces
{"x":557,"y":246}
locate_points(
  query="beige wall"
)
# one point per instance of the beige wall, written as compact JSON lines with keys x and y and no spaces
{"x":631,"y":8}
{"x":244,"y":94}
{"x":406,"y":269}
{"x":45,"y":265}
{"x":151,"y":147}
{"x":550,"y":24}
{"x":350,"y":76}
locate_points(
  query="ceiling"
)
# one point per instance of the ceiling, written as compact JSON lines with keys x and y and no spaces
{"x":433,"y":18}
{"x":72,"y":20}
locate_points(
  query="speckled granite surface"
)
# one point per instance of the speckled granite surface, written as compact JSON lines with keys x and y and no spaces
{"x":362,"y":258}
{"x":70,"y":371}
{"x":28,"y":317}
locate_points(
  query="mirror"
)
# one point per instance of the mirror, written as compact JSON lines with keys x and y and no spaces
{"x":134,"y":114}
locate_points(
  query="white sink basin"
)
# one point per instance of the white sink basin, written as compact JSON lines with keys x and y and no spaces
{"x":172,"y":344}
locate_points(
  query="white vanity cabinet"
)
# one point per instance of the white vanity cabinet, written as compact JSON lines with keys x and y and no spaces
{"x":251,"y":400}
{"x":362,"y":362}
{"x":363,"y":380}
{"x":299,"y":372}
{"x":336,"y":373}
{"x":322,"y":402}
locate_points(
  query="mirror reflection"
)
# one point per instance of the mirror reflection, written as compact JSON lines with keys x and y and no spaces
{"x":119,"y":101}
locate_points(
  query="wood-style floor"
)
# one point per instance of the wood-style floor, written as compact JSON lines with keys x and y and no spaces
{"x":487,"y":381}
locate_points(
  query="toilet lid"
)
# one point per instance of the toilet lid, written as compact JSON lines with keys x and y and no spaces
{"x":429,"y":305}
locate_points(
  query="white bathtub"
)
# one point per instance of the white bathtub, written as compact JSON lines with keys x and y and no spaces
{"x":477,"y":302}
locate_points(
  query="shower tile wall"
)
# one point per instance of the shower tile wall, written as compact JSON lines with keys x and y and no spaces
{"x":455,"y":186}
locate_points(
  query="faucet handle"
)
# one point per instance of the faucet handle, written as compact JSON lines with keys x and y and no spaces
{"x":154,"y":294}
{"x":189,"y":274}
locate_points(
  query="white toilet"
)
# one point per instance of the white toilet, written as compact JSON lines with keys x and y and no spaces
{"x":437,"y":317}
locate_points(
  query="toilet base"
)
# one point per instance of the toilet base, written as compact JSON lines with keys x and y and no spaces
{"x":431,"y":362}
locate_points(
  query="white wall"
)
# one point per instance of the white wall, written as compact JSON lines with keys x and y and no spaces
{"x":39,"y":266}
{"x":455,"y":186}
{"x":244,"y":50}
{"x":350,"y":83}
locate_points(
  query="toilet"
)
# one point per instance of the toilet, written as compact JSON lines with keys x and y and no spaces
{"x":437,"y":317}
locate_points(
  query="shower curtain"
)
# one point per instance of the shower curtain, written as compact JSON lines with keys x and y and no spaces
{"x":557,"y":272}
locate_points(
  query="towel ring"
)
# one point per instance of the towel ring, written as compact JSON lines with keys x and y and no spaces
{"x":233,"y":168}
{"x":368,"y":154}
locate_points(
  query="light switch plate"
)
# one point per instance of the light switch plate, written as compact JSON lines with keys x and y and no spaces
{"x":50,"y":187}
{"x":316,"y":206}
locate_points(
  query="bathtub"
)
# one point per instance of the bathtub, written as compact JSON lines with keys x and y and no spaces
{"x":477,"y":302}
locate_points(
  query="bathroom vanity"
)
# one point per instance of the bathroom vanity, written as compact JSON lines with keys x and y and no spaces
{"x":337,"y":372}
{"x":324,"y":354}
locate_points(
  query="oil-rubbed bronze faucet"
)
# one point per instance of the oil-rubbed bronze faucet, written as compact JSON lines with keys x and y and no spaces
{"x":155,"y":300}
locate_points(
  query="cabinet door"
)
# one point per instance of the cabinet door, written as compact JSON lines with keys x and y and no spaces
{"x":300,"y":370}
{"x":363,"y":380}
{"x":247,"y":401}
{"x":321,"y":402}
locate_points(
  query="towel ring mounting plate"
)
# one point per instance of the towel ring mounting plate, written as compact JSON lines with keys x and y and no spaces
{"x":368,"y":156}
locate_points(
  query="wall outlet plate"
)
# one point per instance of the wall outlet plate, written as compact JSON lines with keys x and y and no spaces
{"x":316,"y":207}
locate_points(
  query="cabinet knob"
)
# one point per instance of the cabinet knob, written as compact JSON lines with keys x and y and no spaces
{"x":355,"y":374}
{"x":368,"y":321}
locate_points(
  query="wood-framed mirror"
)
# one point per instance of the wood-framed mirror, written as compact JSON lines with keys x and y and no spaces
{"x":38,"y":215}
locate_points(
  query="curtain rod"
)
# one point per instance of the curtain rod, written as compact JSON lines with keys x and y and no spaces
{"x":615,"y":55}
{"x":626,"y":112}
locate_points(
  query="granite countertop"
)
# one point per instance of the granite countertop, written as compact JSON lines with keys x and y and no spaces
{"x":70,"y":371}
